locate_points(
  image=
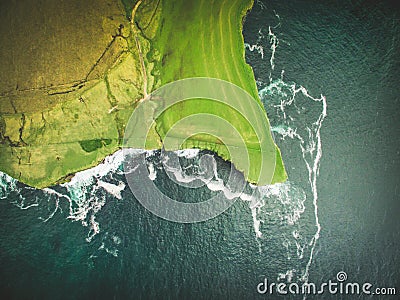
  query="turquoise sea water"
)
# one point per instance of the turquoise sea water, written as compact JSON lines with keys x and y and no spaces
{"x":338,"y":211}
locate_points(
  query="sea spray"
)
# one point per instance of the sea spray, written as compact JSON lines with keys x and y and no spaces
{"x":7,"y":185}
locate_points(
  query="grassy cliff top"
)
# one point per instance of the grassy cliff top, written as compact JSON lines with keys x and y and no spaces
{"x":73,"y":74}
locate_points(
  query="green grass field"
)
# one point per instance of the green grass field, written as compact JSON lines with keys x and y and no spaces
{"x":47,"y":134}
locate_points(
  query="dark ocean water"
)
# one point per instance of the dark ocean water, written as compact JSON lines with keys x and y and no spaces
{"x":92,"y":239}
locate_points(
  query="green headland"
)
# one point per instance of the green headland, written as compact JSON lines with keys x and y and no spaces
{"x":72,"y":76}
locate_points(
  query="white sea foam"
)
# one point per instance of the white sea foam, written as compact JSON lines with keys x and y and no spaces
{"x":7,"y":185}
{"x":111,"y":188}
{"x":87,"y":190}
{"x":208,"y":176}
{"x":188,"y":153}
{"x":255,"y":47}
{"x":110,"y":164}
{"x":152,"y":172}
{"x":288,"y":201}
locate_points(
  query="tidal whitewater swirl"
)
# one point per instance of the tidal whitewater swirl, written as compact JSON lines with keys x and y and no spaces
{"x":284,"y":215}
